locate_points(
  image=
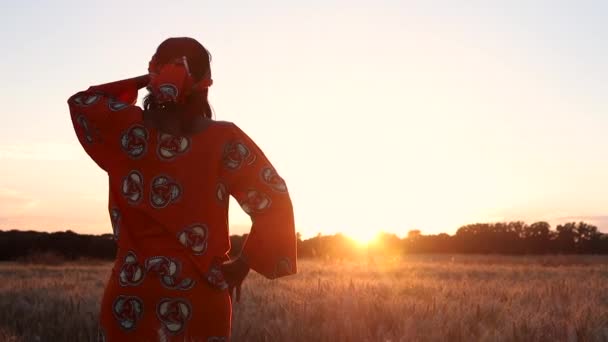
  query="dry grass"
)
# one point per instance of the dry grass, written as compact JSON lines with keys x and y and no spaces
{"x":426,"y":298}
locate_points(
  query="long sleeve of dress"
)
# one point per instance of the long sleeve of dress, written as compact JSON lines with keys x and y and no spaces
{"x":270,"y":248}
{"x":96,"y":111}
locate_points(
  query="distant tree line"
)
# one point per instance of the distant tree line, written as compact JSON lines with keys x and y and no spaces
{"x":16,"y":245}
{"x":514,"y":238}
{"x":21,"y":245}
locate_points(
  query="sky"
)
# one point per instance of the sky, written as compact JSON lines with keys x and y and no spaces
{"x":380,"y":115}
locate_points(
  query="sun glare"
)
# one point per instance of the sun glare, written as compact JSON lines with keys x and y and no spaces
{"x":363,"y":238}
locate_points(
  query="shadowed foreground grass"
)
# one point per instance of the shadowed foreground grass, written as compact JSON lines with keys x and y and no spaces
{"x":426,"y":298}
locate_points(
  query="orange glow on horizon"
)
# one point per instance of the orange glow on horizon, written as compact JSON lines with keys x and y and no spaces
{"x":363,"y":238}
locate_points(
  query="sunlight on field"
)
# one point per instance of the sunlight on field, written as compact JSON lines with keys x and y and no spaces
{"x":419,"y":298}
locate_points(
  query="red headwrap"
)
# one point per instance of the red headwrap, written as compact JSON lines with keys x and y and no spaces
{"x":173,"y":82}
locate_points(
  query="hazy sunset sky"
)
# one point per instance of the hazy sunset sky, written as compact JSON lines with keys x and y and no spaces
{"x":380,"y":115}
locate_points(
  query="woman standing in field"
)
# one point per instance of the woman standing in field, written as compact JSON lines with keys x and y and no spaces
{"x":171,"y":171}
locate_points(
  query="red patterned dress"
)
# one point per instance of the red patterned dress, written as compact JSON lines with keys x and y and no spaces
{"x":168,"y":203}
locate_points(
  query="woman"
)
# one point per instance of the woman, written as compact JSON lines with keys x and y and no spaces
{"x":171,"y":171}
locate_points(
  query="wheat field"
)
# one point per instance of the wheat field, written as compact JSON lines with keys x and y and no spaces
{"x":419,"y":298}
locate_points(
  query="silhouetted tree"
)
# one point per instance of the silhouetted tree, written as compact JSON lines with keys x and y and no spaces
{"x":537,"y":238}
{"x":566,"y":239}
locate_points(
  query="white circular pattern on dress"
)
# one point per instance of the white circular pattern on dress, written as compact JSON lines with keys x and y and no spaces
{"x":168,"y":271}
{"x":85,"y":100}
{"x":174,"y":313}
{"x":115,"y":221}
{"x":131,"y":273}
{"x":135,"y":141}
{"x":221,"y":193}
{"x":255,"y":202}
{"x":195,"y":238}
{"x":170,"y":146}
{"x":164,"y":191}
{"x":116,"y":105}
{"x":236,"y":154}
{"x":85,"y":127}
{"x":167,"y":92}
{"x":127,"y":311}
{"x":133,"y":187}
{"x":215,"y":277}
{"x":272,"y":179}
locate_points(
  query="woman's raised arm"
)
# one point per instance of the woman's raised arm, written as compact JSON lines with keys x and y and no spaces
{"x":97,"y":110}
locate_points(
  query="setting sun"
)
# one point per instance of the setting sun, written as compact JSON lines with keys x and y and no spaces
{"x":363,"y":238}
